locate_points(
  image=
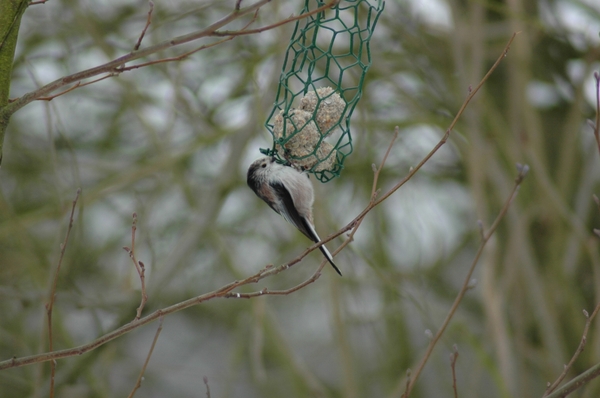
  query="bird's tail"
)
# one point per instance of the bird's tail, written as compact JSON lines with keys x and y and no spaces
{"x":310,"y":232}
{"x":329,"y":258}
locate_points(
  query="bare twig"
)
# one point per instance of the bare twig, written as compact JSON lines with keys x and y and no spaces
{"x":596,"y":126}
{"x":138,"y":384}
{"x":577,"y":382}
{"x":374,"y":190}
{"x":148,"y":22}
{"x":116,"y":66}
{"x":567,"y":367}
{"x":187,"y":54}
{"x":581,"y":380}
{"x":276,"y":24}
{"x":206,"y":378}
{"x":51,"y":298}
{"x":523,"y":170}
{"x":453,"y":358}
{"x":77,"y":85}
{"x":408,"y":380}
{"x":139,"y":266}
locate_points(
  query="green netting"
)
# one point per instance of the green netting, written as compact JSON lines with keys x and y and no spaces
{"x":320,"y":84}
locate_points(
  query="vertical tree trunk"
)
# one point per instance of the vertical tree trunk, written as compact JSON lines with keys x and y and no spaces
{"x":10,"y":20}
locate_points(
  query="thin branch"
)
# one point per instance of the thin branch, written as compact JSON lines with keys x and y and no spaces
{"x":408,"y":380}
{"x":51,"y":298}
{"x":184,"y":55}
{"x":115,"y":66}
{"x":453,"y":358}
{"x":276,"y":24}
{"x":523,"y":170}
{"x":374,"y":190}
{"x":171,"y":59}
{"x":148,"y":22}
{"x":377,"y":171}
{"x":567,"y":367}
{"x":576,"y":382}
{"x":206,"y":378}
{"x":566,"y":389}
{"x":77,"y":85}
{"x":138,"y":384}
{"x":111,"y":66}
{"x":139,"y":266}
{"x":596,"y":126}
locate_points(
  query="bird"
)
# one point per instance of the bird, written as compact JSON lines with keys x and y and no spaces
{"x":289,"y":192}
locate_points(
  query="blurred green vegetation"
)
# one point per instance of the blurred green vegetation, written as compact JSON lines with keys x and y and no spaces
{"x":172,"y":143}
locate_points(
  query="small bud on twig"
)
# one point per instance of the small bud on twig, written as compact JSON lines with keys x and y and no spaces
{"x":481,"y":231}
{"x":523,"y":169}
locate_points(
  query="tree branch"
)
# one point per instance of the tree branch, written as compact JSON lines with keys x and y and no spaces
{"x":522,"y":172}
{"x":596,"y":126}
{"x":139,"y":267}
{"x":577,"y":382}
{"x":148,"y":22}
{"x":138,"y":383}
{"x":453,"y":358}
{"x":112,"y":66}
{"x":117,"y":66}
{"x":52,"y":295}
{"x":588,"y":321}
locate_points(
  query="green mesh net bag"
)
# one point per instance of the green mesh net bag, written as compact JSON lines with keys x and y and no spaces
{"x":320,"y":84}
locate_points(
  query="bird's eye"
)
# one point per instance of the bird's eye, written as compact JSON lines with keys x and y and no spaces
{"x":263,"y":165}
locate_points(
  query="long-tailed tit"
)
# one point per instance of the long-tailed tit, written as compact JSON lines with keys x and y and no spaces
{"x":288,"y":192}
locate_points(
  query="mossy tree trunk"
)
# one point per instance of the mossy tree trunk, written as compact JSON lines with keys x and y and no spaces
{"x":11,"y":12}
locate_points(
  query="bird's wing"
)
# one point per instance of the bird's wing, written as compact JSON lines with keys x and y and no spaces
{"x":290,"y":213}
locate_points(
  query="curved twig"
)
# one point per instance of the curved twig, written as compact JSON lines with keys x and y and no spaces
{"x":52,"y":295}
{"x":523,"y":170}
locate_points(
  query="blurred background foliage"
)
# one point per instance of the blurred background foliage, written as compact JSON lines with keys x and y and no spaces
{"x":172,"y":143}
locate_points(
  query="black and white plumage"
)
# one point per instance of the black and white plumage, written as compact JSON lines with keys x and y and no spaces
{"x":288,"y":192}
